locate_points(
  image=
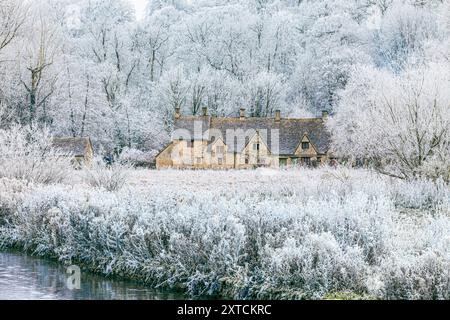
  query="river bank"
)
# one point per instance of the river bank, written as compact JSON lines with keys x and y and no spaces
{"x":300,"y":234}
{"x":24,"y":277}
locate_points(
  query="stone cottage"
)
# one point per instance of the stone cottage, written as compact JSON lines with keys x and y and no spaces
{"x":80,"y":148}
{"x":206,"y":141}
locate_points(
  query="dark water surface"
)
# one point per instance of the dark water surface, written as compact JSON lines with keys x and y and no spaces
{"x":24,"y":277}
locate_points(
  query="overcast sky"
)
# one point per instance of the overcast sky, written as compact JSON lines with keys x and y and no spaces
{"x":140,"y":7}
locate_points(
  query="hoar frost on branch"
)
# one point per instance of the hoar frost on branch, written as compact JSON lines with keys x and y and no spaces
{"x":399,"y":121}
{"x":288,"y":234}
{"x":27,"y":154}
{"x":90,"y":68}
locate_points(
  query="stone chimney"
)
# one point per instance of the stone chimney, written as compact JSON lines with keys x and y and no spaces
{"x":177,"y":113}
{"x":324,"y":115}
{"x":204,"y":111}
{"x":242,"y":113}
{"x":277,"y":115}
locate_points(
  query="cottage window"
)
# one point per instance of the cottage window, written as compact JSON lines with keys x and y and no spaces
{"x":256,"y":146}
{"x":294,"y":161}
{"x":220,"y":161}
{"x":305,"y":145}
{"x":220,"y":149}
{"x":246,"y":161}
{"x":306,"y":161}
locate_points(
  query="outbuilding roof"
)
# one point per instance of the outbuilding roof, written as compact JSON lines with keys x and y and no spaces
{"x":77,"y":146}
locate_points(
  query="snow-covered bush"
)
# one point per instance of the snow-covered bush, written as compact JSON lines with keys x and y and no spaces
{"x":110,"y":177}
{"x":309,"y":235}
{"x":397,"y":121}
{"x":137,"y":157}
{"x":314,"y":266}
{"x":424,"y":271}
{"x":421,"y":194}
{"x":11,"y":192}
{"x":28,"y":154}
{"x":424,"y":276}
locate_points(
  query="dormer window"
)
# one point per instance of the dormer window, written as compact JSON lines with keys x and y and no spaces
{"x":305,"y":145}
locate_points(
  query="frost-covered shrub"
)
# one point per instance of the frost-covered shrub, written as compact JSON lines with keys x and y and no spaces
{"x":11,"y":192}
{"x":421,"y":194}
{"x":27,"y":154}
{"x":205,"y":251}
{"x":137,"y":157}
{"x":418,"y":266}
{"x":398,"y":121}
{"x":287,"y":234}
{"x":314,"y":266}
{"x":437,"y":167}
{"x":424,"y":276}
{"x":110,"y":177}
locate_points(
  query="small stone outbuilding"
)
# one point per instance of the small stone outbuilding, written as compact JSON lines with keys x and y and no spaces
{"x":80,"y":148}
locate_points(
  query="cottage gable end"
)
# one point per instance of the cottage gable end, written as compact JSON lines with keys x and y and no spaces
{"x":306,"y":147}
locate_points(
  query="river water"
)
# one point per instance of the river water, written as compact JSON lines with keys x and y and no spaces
{"x":24,"y":277}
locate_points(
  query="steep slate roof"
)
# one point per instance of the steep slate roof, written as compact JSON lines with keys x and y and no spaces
{"x":75,"y":146}
{"x":290,"y":130}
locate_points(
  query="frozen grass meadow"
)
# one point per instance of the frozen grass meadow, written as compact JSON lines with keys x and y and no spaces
{"x":284,"y":234}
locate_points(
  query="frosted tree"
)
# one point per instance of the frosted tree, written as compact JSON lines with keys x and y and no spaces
{"x":223,"y":92}
{"x":399,"y":122}
{"x":87,"y":67}
{"x":404,"y":31}
{"x":27,"y":154}
{"x":39,"y":50}
{"x":171,"y":93}
{"x":106,"y":34}
{"x":155,"y":5}
{"x":157,"y":40}
{"x":108,"y":38}
{"x":13,"y":15}
{"x":80,"y":95}
{"x":331,"y":41}
{"x":381,"y":5}
{"x":275,"y":44}
{"x":263,"y":93}
{"x":219,"y":37}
